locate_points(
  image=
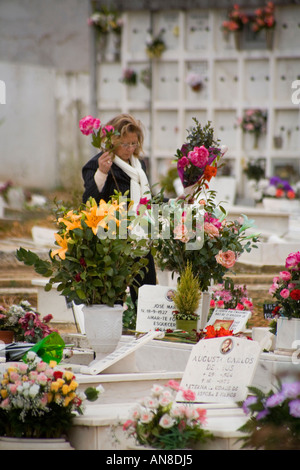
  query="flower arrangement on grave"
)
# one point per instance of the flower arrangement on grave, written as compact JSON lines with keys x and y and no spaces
{"x":155,"y":45}
{"x":230,"y":296}
{"x":25,"y":322}
{"x":212,"y":332}
{"x":273,"y":422}
{"x":277,"y":187}
{"x":105,"y":21}
{"x":195,"y":81}
{"x":159,"y":422}
{"x":236,"y":20}
{"x":129,"y":77}
{"x":264,"y":18}
{"x":254,"y":121}
{"x":186,"y":300}
{"x":255,"y":169}
{"x":39,"y":400}
{"x":217,"y":242}
{"x":96,"y":258}
{"x":286,"y":288}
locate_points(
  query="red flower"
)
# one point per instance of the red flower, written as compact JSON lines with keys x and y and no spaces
{"x":58,"y":374}
{"x":78,"y":277}
{"x":82,"y":262}
{"x":295,"y":294}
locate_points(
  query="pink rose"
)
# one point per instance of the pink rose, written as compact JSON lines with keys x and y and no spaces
{"x":188,"y":395}
{"x":226,"y":259}
{"x":183,"y":162}
{"x":211,"y":230}
{"x":285,"y":275}
{"x":88,"y":124}
{"x":107,"y":129}
{"x":212,"y":303}
{"x":181,"y":233}
{"x":285,"y":293}
{"x":292,"y":260}
{"x":220,"y":303}
{"x":199,"y":156}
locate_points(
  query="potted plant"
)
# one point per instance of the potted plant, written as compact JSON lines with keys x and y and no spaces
{"x":273,"y":422}
{"x":129,"y":77}
{"x":286,"y":290}
{"x":155,"y":45}
{"x":23,"y":323}
{"x":95,"y":262}
{"x":254,"y":121}
{"x":264,"y":20}
{"x":38,"y":402}
{"x":195,"y":81}
{"x":186,"y":300}
{"x":159,"y":422}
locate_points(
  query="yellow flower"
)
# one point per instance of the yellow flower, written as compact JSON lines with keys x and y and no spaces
{"x":3,"y":393}
{"x":67,"y":401}
{"x":65,"y":389}
{"x":68,"y":375}
{"x":52,"y":364}
{"x":73,"y":385}
{"x":71,"y":220}
{"x":63,"y":243}
{"x":54,"y":386}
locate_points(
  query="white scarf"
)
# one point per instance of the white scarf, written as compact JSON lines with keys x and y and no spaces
{"x":138,"y":180}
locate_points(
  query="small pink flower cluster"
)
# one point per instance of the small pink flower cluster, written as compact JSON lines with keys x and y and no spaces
{"x":286,"y":287}
{"x":159,"y":412}
{"x":197,"y":157}
{"x":88,"y":124}
{"x":235,"y":298}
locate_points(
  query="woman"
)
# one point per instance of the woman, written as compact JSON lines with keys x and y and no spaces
{"x":122,"y":171}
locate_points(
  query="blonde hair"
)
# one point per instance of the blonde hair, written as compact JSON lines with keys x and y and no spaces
{"x":125,"y":124}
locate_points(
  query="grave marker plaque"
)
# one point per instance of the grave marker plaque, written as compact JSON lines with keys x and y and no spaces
{"x":236,"y":318}
{"x":155,"y":307}
{"x":220,"y":370}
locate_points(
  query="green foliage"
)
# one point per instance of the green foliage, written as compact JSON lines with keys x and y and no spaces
{"x":187,"y":296}
{"x":95,"y":262}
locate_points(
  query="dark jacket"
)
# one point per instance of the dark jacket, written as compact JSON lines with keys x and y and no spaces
{"x":91,"y":190}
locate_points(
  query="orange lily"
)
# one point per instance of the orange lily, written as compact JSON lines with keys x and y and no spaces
{"x":63,"y":243}
{"x":93,"y":218}
{"x":74,"y":222}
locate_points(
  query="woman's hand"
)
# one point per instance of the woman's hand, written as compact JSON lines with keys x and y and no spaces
{"x":105,"y":162}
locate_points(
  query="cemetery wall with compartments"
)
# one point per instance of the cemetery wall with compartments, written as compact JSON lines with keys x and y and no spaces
{"x":255,"y":76}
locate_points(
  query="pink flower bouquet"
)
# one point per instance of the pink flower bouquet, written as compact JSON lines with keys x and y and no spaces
{"x":286,"y":288}
{"x":158,"y":421}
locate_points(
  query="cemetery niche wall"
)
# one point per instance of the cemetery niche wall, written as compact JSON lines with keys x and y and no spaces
{"x":232,"y":81}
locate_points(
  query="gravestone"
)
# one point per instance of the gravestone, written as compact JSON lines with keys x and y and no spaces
{"x":155,"y":307}
{"x":234,"y":320}
{"x":219,"y":370}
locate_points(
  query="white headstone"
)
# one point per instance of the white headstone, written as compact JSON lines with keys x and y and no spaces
{"x":155,"y":307}
{"x":234,"y":320}
{"x":219,"y":370}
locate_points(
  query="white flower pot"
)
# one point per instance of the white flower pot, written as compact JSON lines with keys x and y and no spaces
{"x":288,"y":333}
{"x":103,"y":327}
{"x":20,"y":443}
